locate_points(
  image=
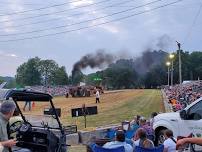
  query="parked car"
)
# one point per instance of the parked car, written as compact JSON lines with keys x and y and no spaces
{"x":182,"y":123}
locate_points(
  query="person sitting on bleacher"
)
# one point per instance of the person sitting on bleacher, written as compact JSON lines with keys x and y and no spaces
{"x":151,"y":120}
{"x":170,"y":142}
{"x":134,"y":124}
{"x":140,"y":139}
{"x":120,"y":141}
{"x":149,"y":130}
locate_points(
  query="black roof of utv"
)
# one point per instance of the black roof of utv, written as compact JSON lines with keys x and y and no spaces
{"x":24,"y":95}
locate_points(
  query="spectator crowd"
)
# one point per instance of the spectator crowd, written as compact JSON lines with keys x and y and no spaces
{"x":180,"y":96}
{"x":139,"y":134}
{"x":52,"y":90}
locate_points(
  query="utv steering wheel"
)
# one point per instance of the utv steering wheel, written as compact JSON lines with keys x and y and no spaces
{"x":15,"y":126}
{"x":25,"y":127}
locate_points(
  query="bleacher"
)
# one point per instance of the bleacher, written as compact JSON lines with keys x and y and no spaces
{"x":181,"y":96}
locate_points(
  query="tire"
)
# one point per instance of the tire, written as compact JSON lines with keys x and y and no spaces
{"x":160,"y":138}
{"x":87,"y":93}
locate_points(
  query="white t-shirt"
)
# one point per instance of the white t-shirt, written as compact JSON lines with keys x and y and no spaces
{"x":136,"y":143}
{"x":97,"y":94}
{"x":115,"y":144}
{"x":170,"y":145}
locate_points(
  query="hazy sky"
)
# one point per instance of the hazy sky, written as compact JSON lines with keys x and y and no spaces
{"x":27,"y":19}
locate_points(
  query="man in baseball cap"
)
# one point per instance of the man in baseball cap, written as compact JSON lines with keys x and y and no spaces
{"x":7,"y":109}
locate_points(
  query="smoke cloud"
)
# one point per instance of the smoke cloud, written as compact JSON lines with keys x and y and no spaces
{"x":164,"y":42}
{"x":96,"y":60}
{"x":153,"y":54}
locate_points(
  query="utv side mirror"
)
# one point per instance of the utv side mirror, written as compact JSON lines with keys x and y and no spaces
{"x":183,"y":114}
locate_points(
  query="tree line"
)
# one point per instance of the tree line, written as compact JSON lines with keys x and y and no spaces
{"x":147,"y":71}
{"x":41,"y":72}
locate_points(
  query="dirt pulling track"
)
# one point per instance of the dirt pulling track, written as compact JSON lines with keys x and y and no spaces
{"x":115,"y":107}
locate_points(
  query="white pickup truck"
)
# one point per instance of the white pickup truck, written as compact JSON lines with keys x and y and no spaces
{"x":181,"y":123}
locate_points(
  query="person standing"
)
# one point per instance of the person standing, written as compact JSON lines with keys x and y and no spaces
{"x":29,"y":105}
{"x":7,"y":109}
{"x":97,"y":94}
{"x":27,"y":102}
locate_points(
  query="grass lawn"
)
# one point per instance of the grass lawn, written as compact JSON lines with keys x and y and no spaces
{"x":114,"y":107}
{"x":143,"y":103}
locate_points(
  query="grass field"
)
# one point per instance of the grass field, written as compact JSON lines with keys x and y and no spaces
{"x":114,"y":107}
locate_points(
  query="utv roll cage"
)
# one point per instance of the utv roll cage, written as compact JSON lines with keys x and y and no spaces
{"x":38,"y":138}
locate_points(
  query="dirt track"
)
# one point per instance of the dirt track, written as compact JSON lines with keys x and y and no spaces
{"x":108,"y":99}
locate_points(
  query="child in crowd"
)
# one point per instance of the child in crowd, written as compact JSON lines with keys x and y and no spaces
{"x":170,"y":142}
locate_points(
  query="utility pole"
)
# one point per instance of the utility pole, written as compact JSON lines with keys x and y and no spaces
{"x":180,"y":62}
{"x":168,"y":65}
{"x":171,"y":56}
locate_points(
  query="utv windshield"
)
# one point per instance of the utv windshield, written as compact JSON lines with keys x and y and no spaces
{"x":34,"y":107}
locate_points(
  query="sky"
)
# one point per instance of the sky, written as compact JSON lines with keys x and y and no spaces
{"x":65,"y":30}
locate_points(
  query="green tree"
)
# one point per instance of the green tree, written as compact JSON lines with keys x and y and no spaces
{"x":157,"y":76}
{"x":28,"y":73}
{"x":119,"y":77}
{"x":36,"y":72}
{"x":196,"y":65}
{"x":60,"y":76}
{"x":90,"y":79}
{"x":11,"y":84}
{"x":48,"y":70}
{"x":77,"y":77}
{"x":1,"y":80}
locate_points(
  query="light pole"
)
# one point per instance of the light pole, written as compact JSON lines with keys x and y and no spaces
{"x":171,"y":56}
{"x":180,"y":62}
{"x":168,"y":65}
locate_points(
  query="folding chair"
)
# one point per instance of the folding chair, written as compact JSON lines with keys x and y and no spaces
{"x":130,"y":133}
{"x":155,"y":149}
{"x":96,"y":148}
{"x":111,"y":134}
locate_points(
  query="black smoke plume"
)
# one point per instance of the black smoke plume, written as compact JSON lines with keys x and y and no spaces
{"x":153,"y":55}
{"x":96,"y":60}
{"x":164,"y":42}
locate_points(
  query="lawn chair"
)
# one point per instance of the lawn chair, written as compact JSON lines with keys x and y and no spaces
{"x":129,"y":134}
{"x":96,"y":148}
{"x":111,"y":134}
{"x":155,"y":149}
